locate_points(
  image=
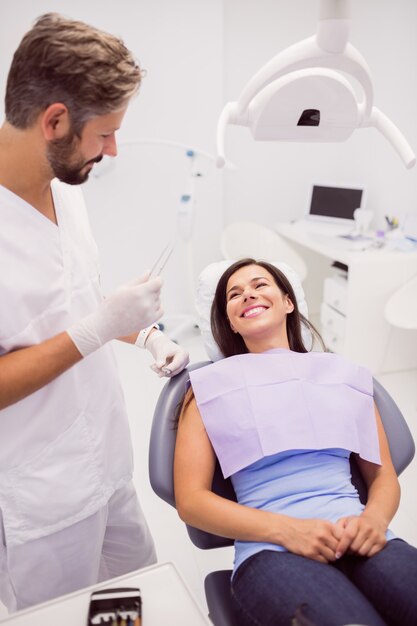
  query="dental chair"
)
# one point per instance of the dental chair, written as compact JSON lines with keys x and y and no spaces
{"x":161,"y":459}
{"x":163,"y":436}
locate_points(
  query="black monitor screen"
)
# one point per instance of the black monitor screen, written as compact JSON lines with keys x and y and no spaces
{"x":337,"y":202}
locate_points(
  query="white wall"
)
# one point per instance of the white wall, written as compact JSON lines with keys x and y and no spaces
{"x":133,"y":203}
{"x":199,"y":54}
{"x":272,"y":181}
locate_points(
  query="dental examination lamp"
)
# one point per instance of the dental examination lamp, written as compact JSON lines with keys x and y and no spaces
{"x":318,"y":90}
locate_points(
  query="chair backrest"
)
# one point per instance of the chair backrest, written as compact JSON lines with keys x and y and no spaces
{"x":163,"y":436}
{"x":161,"y":455}
{"x":248,"y":239}
{"x":399,"y":437}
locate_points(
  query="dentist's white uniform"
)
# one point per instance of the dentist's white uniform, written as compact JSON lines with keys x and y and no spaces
{"x":69,"y":515}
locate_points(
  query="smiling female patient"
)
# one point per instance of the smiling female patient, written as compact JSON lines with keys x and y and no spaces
{"x":283,"y":423}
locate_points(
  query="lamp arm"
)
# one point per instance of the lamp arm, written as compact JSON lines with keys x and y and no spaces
{"x":302,"y":55}
{"x":227,"y":116}
{"x":395,"y":137}
{"x":335,"y":9}
{"x":334,"y":25}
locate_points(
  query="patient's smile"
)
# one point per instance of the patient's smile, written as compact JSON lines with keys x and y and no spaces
{"x":254,"y":311}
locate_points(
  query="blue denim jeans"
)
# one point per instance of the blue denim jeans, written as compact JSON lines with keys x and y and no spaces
{"x":270,"y":588}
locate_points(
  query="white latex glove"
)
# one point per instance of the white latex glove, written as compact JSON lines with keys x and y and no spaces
{"x":127,"y":311}
{"x":170,"y":358}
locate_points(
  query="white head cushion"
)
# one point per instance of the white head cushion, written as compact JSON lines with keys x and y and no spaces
{"x":206,"y":287}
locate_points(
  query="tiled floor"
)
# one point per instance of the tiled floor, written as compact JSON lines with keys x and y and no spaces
{"x":142,"y":388}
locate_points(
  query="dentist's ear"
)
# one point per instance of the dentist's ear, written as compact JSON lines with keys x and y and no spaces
{"x":55,"y":121}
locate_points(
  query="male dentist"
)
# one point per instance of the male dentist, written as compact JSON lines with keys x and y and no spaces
{"x":69,"y":514}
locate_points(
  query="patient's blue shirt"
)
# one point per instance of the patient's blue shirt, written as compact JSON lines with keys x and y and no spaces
{"x":283,"y":425}
{"x":304,"y":484}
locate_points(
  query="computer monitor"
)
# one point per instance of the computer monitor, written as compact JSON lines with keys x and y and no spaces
{"x":334,"y":204}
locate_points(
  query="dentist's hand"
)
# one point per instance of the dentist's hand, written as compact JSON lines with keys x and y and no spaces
{"x":128,"y":310}
{"x":170,"y":358}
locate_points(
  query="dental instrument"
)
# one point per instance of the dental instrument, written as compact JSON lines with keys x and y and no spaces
{"x":162,"y":260}
{"x":317,"y":90}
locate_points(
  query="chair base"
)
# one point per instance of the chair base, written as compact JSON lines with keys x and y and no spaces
{"x":219,"y":599}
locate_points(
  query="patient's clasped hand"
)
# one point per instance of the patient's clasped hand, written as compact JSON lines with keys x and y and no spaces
{"x":283,"y":423}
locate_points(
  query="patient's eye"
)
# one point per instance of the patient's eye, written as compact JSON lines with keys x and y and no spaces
{"x":233,"y":295}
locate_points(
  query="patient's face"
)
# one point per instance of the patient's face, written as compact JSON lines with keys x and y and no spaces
{"x":256,"y":307}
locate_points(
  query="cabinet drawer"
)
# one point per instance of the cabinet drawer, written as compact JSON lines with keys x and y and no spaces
{"x":332,"y":321}
{"x":335,"y":293}
{"x":333,"y":342}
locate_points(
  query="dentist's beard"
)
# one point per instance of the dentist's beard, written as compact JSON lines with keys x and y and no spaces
{"x":60,"y":154}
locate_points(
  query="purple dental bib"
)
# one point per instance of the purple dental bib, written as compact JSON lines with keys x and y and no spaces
{"x":255,"y":405}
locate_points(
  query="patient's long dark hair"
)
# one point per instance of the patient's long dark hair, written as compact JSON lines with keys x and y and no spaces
{"x":231,"y":343}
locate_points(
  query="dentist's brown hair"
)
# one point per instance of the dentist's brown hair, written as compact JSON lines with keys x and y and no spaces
{"x":63,"y":60}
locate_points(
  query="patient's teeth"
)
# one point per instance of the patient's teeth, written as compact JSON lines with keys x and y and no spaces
{"x":255,"y":311}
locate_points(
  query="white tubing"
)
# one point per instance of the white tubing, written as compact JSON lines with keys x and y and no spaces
{"x":173,"y":144}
